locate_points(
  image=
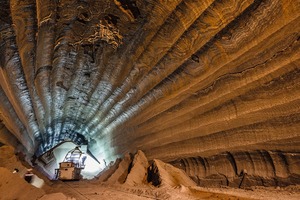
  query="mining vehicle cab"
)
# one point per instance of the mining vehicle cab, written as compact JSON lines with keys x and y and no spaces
{"x":72,"y":165}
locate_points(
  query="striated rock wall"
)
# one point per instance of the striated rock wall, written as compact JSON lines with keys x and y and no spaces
{"x":176,"y":79}
{"x":243,"y":168}
{"x":244,"y":95}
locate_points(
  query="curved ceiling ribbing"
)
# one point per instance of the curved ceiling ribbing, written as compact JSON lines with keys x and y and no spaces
{"x":173,"y":78}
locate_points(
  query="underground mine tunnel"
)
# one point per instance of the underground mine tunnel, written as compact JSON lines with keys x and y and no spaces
{"x":161,"y":99}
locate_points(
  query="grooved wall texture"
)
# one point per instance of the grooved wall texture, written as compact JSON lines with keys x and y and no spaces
{"x":177,"y":79}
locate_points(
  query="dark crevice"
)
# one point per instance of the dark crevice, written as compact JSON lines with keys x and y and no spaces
{"x":195,"y":58}
{"x":42,"y":69}
{"x":284,"y":160}
{"x":153,"y":175}
{"x":232,"y":162}
{"x":61,"y":85}
{"x":131,"y":5}
{"x":111,"y":19}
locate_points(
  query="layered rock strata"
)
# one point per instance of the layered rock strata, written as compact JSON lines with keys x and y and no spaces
{"x":177,"y":79}
{"x":243,"y":169}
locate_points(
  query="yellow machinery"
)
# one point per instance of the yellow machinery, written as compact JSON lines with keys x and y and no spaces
{"x":72,"y":165}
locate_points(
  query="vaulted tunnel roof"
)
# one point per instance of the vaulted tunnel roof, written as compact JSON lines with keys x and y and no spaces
{"x":172,"y":78}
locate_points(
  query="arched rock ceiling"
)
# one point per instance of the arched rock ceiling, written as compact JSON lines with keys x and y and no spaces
{"x":174,"y":78}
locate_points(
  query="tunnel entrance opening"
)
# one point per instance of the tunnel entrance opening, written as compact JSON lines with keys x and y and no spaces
{"x":67,"y":152}
{"x":72,"y":165}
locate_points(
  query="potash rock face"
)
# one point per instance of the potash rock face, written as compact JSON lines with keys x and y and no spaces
{"x":177,"y":79}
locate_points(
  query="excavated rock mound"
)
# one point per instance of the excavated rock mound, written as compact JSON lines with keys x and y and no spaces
{"x":14,"y":187}
{"x":108,"y":171}
{"x":56,"y":196}
{"x":137,"y":171}
{"x":9,"y":160}
{"x":163,"y":174}
{"x":234,"y":169}
{"x":120,"y":174}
